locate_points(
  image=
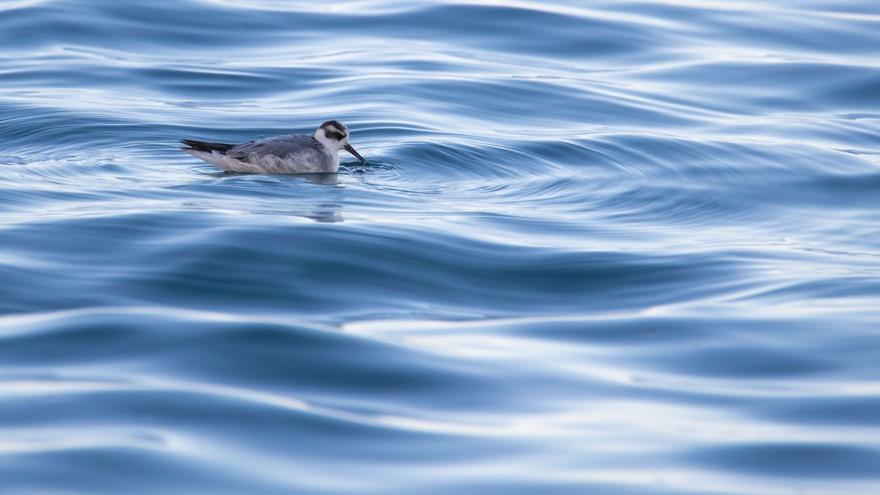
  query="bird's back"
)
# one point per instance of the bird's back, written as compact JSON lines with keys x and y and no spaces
{"x":288,"y":154}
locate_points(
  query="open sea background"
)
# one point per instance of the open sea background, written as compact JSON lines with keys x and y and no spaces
{"x":611,"y":247}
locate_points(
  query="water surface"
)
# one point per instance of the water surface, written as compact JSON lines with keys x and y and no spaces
{"x":616,"y":247}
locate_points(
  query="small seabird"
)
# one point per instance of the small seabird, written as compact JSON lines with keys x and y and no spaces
{"x":288,"y":154}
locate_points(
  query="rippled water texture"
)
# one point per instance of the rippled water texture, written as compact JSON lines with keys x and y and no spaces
{"x":613,"y":247}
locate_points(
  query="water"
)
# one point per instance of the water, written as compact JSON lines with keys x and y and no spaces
{"x":607,"y":247}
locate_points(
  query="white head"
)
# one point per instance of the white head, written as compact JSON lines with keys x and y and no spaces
{"x":334,"y":136}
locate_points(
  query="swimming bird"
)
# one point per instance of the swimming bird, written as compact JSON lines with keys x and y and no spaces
{"x":287,"y":154}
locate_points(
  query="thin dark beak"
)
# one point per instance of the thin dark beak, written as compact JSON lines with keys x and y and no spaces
{"x":349,"y":148}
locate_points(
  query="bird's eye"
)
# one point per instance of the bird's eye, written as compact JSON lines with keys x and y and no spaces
{"x":338,"y":136}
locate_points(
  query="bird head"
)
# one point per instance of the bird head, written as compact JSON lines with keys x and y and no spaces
{"x":334,"y":135}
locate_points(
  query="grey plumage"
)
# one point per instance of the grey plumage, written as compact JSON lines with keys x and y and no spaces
{"x":292,"y":153}
{"x":287,"y":154}
{"x":303,"y":147}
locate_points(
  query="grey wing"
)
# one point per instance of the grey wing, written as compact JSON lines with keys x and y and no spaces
{"x":281,"y":146}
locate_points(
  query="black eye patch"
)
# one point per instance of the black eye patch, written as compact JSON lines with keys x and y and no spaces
{"x":338,"y":136}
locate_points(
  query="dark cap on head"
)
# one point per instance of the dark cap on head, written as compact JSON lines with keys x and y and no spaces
{"x":334,"y":129}
{"x":334,"y":123}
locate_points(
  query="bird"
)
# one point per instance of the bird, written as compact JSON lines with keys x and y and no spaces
{"x":286,"y":154}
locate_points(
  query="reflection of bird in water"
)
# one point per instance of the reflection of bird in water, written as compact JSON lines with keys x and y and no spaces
{"x":321,"y":206}
{"x":326,"y":213}
{"x":288,"y":154}
{"x":321,"y":179}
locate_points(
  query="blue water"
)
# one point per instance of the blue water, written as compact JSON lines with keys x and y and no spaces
{"x":615,"y":247}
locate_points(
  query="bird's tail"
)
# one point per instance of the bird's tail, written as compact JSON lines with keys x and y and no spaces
{"x":190,"y":144}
